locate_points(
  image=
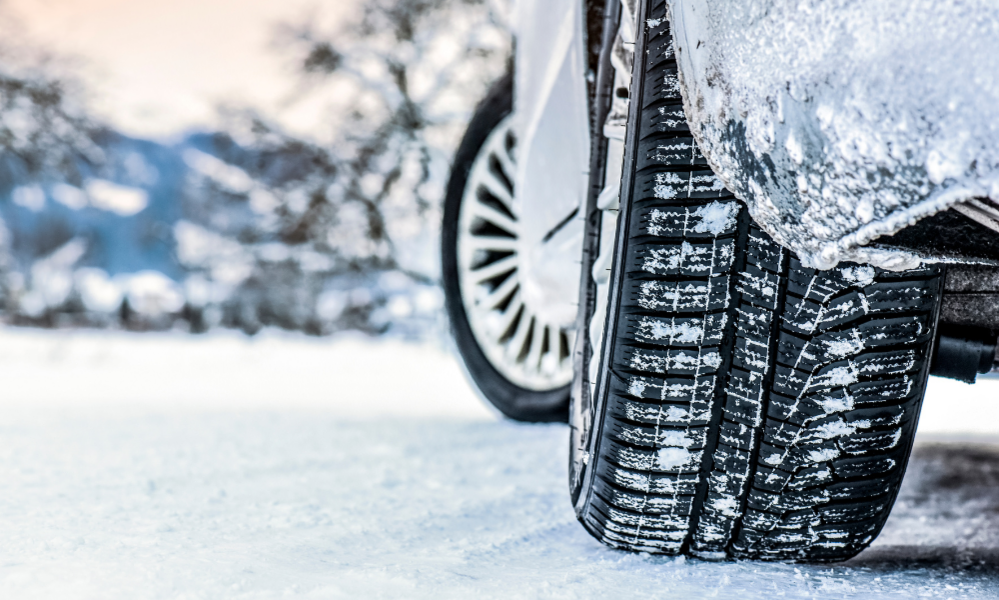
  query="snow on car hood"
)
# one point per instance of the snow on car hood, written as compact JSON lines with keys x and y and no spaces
{"x":839,"y":121}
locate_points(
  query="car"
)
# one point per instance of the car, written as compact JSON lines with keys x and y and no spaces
{"x":729,"y":244}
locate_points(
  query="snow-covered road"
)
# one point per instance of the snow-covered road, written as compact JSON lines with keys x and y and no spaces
{"x":173,"y":467}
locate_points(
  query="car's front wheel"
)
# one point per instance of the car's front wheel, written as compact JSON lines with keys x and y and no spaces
{"x":517,"y":357}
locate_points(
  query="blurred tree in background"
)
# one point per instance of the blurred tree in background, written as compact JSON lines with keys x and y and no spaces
{"x":253,"y":226}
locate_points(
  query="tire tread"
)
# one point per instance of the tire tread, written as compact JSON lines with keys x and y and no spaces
{"x":754,"y":408}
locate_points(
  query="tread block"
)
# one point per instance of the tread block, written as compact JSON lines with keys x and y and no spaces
{"x":743,"y":402}
{"x":667,"y":117}
{"x":678,"y":361}
{"x":799,"y":411}
{"x":874,"y":441}
{"x":849,"y":513}
{"x":864,"y":466}
{"x":754,"y":323}
{"x":626,"y":521}
{"x":671,"y":151}
{"x":644,"y":539}
{"x":751,"y":355}
{"x":663,"y":460}
{"x":759,"y":287}
{"x":677,"y":296}
{"x":663,"y":85}
{"x":897,"y":296}
{"x":807,"y":354}
{"x":862,"y":488}
{"x":665,"y":413}
{"x":793,"y":458}
{"x":810,"y":477}
{"x":737,"y":435}
{"x":763,"y":252}
{"x":686,"y":389}
{"x":822,"y":286}
{"x":803,"y":500}
{"x":701,"y":260}
{"x":884,"y":391}
{"x":653,"y":504}
{"x":770,"y":479}
{"x":863,"y":368}
{"x":660,"y":44}
{"x":881,"y":416}
{"x":641,"y":481}
{"x":676,"y":332}
{"x":657,"y":436}
{"x":731,"y":460}
{"x":662,"y":188}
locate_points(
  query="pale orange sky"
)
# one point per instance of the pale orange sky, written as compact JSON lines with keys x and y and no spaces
{"x":158,"y":67}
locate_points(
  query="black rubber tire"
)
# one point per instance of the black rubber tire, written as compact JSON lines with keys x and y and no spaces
{"x":513,"y":401}
{"x":746,"y":406}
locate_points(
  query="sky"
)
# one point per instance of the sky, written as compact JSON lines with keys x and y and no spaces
{"x":157,"y":68}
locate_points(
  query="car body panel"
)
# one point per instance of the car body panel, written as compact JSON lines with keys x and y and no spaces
{"x":839,"y":121}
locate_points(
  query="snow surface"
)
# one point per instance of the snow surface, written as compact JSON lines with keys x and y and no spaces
{"x":839,"y":121}
{"x":172,"y":466}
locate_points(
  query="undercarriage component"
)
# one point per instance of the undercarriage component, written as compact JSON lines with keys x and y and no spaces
{"x":971,"y":297}
{"x":963,"y":353}
{"x":949,"y":236}
{"x":981,"y":210}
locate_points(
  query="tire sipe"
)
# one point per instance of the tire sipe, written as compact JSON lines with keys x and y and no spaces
{"x":744,"y":406}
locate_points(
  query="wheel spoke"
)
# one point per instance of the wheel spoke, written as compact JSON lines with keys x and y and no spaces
{"x":507,"y":164}
{"x":500,"y":322}
{"x":533,"y":360}
{"x":489,"y":242}
{"x":493,"y":269}
{"x":515,"y":347}
{"x":491,"y":299}
{"x":495,"y":187}
{"x":497,"y":218}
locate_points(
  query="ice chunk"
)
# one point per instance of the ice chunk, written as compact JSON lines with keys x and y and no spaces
{"x":676,"y":439}
{"x":716,"y":217}
{"x":842,"y":348}
{"x":671,"y":458}
{"x":826,"y":454}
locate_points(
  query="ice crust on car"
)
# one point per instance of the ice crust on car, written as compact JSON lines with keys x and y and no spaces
{"x":841,"y":121}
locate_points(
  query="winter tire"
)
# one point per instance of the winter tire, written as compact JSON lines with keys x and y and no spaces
{"x":743,"y":405}
{"x":521,"y":366}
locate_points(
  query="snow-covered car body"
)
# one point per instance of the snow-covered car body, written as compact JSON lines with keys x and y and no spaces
{"x":840,"y":122}
{"x":552,"y":125}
